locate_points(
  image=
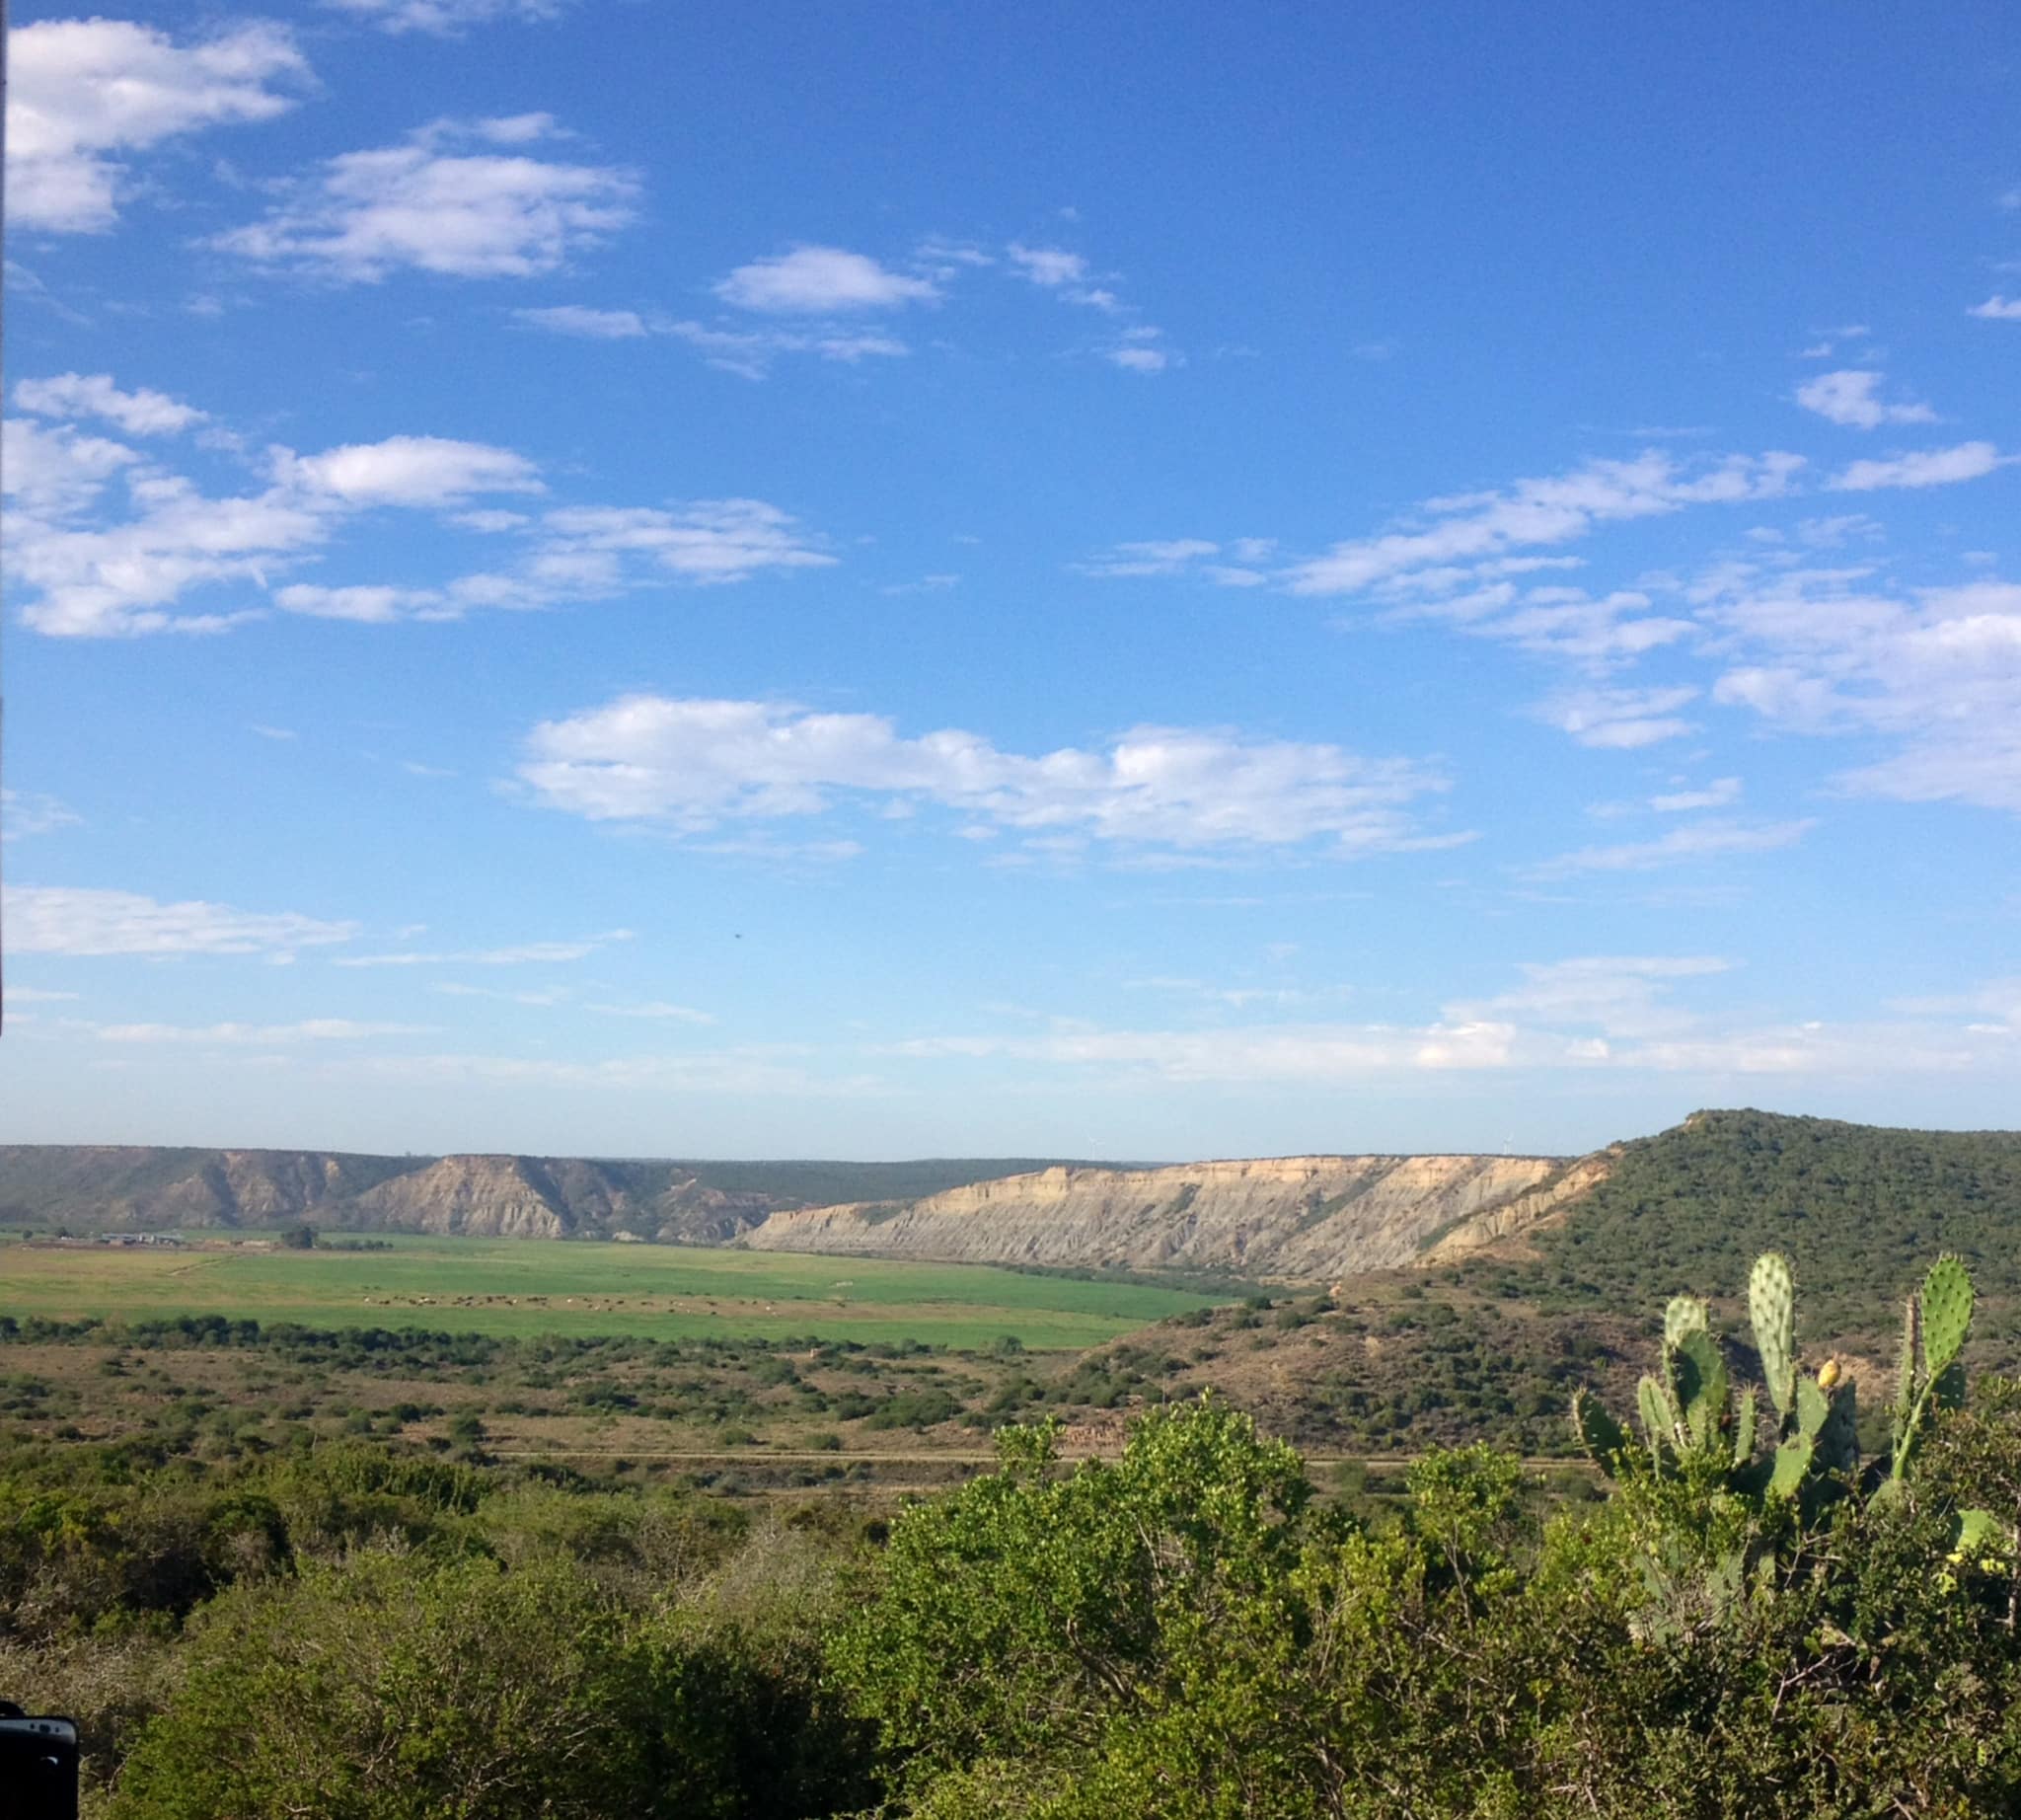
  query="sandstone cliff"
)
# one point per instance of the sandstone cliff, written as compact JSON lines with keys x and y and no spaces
{"x":1299,"y":1218}
{"x":1507,"y":1224}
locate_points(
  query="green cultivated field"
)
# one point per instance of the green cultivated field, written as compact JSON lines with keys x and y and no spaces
{"x":528,"y":1286}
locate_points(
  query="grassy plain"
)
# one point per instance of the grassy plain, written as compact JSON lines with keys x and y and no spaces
{"x":518,"y":1288}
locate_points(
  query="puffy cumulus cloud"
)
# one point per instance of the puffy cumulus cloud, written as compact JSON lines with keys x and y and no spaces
{"x":436,"y":203}
{"x":1967,"y":461}
{"x":1997,"y":309}
{"x":81,"y":92}
{"x":422,"y":471}
{"x":822,"y":281}
{"x":263,"y":1035}
{"x":445,"y":18}
{"x":695,"y":765}
{"x":98,"y":562}
{"x":1531,"y":513}
{"x":94,"y":395}
{"x":1048,"y":267}
{"x":65,"y":919}
{"x":1685,"y":845}
{"x":1853,"y":397}
{"x":1937,"y":670}
{"x":105,"y":542}
{"x":1622,"y":718}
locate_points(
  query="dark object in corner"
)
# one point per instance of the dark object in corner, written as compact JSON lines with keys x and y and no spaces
{"x":37,"y":1765}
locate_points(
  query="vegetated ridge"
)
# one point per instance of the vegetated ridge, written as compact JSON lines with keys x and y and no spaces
{"x":133,"y":1187}
{"x":1301,"y":1219}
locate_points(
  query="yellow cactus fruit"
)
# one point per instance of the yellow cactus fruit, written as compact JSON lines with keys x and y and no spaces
{"x":1828,"y":1373}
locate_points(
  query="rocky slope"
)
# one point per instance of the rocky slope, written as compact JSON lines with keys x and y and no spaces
{"x":140,"y":1187}
{"x":1296,"y":1218}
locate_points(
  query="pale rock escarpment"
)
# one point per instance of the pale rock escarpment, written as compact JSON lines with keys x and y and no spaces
{"x":1301,"y":1218}
{"x":1507,"y":1222}
{"x":491,"y":1197}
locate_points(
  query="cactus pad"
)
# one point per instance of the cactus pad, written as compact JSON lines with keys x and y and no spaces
{"x":1684,"y":1314}
{"x":1703,"y":1397}
{"x":1946,"y":1314}
{"x":1792,"y":1464}
{"x":1771,"y":1307}
{"x":1599,"y":1433}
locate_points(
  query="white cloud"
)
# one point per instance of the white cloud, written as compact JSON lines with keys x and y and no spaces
{"x":457,"y":213}
{"x":694,"y":765}
{"x":1924,"y":468}
{"x":24,"y":813}
{"x":819,"y":281}
{"x":1699,"y":840}
{"x":1851,"y":397}
{"x":94,"y":571}
{"x":1139,"y":360}
{"x":420,"y":471}
{"x":1999,"y":309}
{"x":1938,"y":671}
{"x":1592,"y":1013}
{"x":445,"y":18}
{"x":656,"y":1009}
{"x":591,"y":325}
{"x":1721,"y":793}
{"x":83,"y":91}
{"x":30,"y":995}
{"x":1621,"y":718}
{"x":94,"y":395}
{"x":62,"y":920}
{"x":313,"y":1030}
{"x":520,"y":955}
{"x":1621,"y":996}
{"x":1531,"y":513}
{"x":1047,"y":265}
{"x":750,"y":352}
{"x":706,"y":541}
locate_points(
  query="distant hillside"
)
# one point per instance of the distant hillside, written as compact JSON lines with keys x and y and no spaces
{"x":1502,"y":1317}
{"x":1860,"y":1210}
{"x":139,"y":1188}
{"x":1306,"y":1219}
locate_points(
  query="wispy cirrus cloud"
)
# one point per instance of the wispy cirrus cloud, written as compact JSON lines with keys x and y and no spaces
{"x":263,"y":1035}
{"x":695,"y":765}
{"x":68,"y":920}
{"x":1696,"y":841}
{"x":516,"y":954}
{"x":447,"y":18}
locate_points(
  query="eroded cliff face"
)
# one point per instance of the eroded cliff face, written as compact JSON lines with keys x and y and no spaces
{"x":1299,"y":1218}
{"x":1507,"y":1225}
{"x":487,"y":1197}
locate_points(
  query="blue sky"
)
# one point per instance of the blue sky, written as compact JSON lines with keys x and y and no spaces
{"x":1136,"y":581}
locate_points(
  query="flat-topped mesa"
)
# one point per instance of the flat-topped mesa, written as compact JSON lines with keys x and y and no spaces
{"x":1299,"y":1218}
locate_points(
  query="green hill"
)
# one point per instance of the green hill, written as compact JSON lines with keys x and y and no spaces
{"x":1859,"y":1210}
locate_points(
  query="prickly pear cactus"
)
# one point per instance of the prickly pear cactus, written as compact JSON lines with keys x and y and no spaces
{"x":1946,"y":1315}
{"x":1684,"y":1314}
{"x":1771,"y":1307}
